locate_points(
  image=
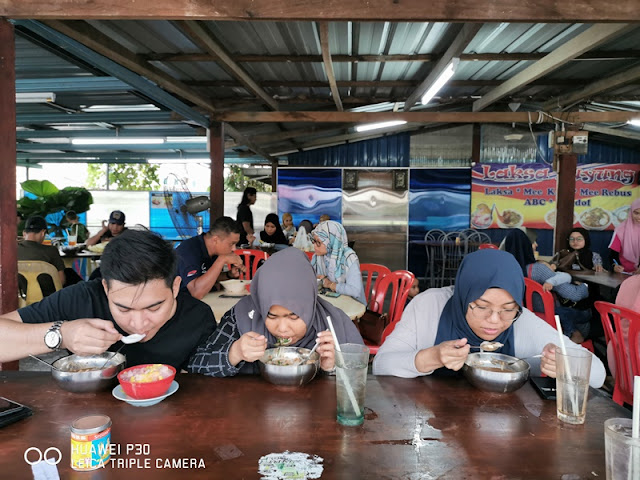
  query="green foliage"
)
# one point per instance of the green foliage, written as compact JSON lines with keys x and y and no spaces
{"x":49,"y":201}
{"x":126,"y":176}
{"x":236,"y":181}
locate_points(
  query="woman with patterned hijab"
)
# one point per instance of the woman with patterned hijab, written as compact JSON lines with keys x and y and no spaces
{"x":283,"y":308}
{"x":334,"y":262}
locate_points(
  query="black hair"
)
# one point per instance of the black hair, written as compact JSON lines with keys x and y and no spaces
{"x":245,"y":195}
{"x":136,"y":257}
{"x":225,"y":226}
{"x":71,"y":215}
{"x":585,"y":255}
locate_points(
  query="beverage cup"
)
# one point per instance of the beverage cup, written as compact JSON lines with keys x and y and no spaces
{"x":73,"y":240}
{"x":622,"y":452}
{"x":351,"y":379}
{"x":572,"y":384}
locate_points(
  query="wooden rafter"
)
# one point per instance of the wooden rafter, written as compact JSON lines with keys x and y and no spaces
{"x":328,"y":65}
{"x":242,"y":140}
{"x":206,"y":40}
{"x":457,"y":46}
{"x":614,"y":132}
{"x":591,"y":38}
{"x":426,"y":117}
{"x":614,"y":81}
{"x":550,"y":11}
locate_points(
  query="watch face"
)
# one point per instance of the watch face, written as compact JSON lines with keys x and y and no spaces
{"x":52,"y":339}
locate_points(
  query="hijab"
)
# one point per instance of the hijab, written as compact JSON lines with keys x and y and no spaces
{"x":339,"y":257}
{"x":478,"y":272}
{"x":585,"y":255}
{"x":629,"y":294}
{"x":518,"y":244}
{"x":287,"y":279}
{"x":308,"y":226}
{"x":629,"y":235}
{"x":278,"y":236}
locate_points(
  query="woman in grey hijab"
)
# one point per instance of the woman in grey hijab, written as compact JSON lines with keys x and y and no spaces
{"x":283,"y":308}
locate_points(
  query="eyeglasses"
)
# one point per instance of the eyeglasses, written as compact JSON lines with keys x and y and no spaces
{"x":317,"y":243}
{"x":576,"y":239}
{"x":506,"y":315}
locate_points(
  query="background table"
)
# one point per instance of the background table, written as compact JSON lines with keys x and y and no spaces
{"x":221,"y":304}
{"x":606,"y":279}
{"x":414,"y":429}
{"x":84,"y":263}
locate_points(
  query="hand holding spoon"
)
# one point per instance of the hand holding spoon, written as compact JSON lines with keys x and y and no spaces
{"x":126,"y":340}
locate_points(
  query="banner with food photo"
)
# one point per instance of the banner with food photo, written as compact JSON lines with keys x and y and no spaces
{"x":516,"y":195}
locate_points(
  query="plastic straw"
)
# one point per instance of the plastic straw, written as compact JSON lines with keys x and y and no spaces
{"x":563,"y":348}
{"x":344,"y":378}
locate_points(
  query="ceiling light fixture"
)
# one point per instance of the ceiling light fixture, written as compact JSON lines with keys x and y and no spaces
{"x":635,"y":122}
{"x":117,"y":141}
{"x":374,"y":126}
{"x":178,"y":160}
{"x":443,"y":78}
{"x":35,"y":97}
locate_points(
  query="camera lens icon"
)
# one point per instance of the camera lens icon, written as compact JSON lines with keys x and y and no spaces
{"x":43,"y":456}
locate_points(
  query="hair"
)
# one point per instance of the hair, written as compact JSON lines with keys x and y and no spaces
{"x":245,"y":195}
{"x":585,"y":254}
{"x":324,"y":217}
{"x":71,"y":215}
{"x":285,"y":216}
{"x":224,"y":226}
{"x":136,"y":257}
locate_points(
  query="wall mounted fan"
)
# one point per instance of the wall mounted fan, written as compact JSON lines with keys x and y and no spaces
{"x":183,"y":207}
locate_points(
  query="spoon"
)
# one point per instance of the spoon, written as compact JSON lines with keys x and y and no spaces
{"x":304,"y":359}
{"x":127,"y":340}
{"x":488,"y":346}
{"x":42,"y":361}
{"x":505,"y":363}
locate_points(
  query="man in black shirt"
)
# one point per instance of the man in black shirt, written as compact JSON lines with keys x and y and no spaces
{"x":139,"y":293}
{"x":31,"y":248}
{"x":109,"y":230}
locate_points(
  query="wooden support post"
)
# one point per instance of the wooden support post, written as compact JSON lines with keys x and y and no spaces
{"x":274,"y":176}
{"x":8,"y":212}
{"x":216,"y":153}
{"x":565,"y":198}
{"x":476,"y":144}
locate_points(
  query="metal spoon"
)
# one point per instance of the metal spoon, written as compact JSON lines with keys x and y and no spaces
{"x":505,"y":363}
{"x":303,"y":360}
{"x":127,"y":340}
{"x":42,"y":361}
{"x":488,"y":346}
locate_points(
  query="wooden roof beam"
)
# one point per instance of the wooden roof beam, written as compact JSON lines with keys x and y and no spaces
{"x":587,"y":40}
{"x":594,"y":88}
{"x":205,"y":39}
{"x":545,"y":11}
{"x":328,"y":65}
{"x":426,"y":117}
{"x":614,"y":132}
{"x":458,"y":45}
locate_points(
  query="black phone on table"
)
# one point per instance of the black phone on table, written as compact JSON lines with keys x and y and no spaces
{"x":11,"y":411}
{"x":545,"y":386}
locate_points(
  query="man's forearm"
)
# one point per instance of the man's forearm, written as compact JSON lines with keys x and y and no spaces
{"x":18,"y":340}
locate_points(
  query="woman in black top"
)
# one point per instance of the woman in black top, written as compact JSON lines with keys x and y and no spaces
{"x":245,"y":217}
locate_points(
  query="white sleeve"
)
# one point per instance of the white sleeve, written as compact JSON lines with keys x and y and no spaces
{"x":531,"y":334}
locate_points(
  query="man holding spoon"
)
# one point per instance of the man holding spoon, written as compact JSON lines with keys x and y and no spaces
{"x":139,"y":294}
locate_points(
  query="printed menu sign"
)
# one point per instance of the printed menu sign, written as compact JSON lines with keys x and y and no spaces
{"x":509,"y":196}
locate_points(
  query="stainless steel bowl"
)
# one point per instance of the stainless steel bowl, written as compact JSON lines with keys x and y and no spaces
{"x":78,"y":374}
{"x":291,"y":375}
{"x":490,"y":372}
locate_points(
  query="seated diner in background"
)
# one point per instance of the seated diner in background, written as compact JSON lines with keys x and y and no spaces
{"x":301,"y":238}
{"x":334,"y":262}
{"x":440,"y":325}
{"x":109,"y":230}
{"x":139,"y":293}
{"x":628,"y":297}
{"x":31,"y":248}
{"x":624,"y":249}
{"x":73,"y":225}
{"x":272,"y":232}
{"x":571,"y":300}
{"x":202,"y":258}
{"x":288,"y":228}
{"x":579,"y":241}
{"x":282,"y":309}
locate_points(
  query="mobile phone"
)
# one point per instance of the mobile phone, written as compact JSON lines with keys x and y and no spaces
{"x":332,"y":294}
{"x":8,"y":407}
{"x":546,"y":386}
{"x":11,"y":412}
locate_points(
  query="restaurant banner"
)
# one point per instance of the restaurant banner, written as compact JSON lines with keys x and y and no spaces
{"x":516,"y":195}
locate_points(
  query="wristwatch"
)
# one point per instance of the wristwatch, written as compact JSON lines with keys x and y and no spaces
{"x":53,"y":337}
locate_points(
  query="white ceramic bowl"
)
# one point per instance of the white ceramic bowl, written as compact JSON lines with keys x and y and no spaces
{"x":235,"y":287}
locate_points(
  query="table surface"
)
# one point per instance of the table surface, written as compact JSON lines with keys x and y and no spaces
{"x":414,"y":428}
{"x":221,"y":304}
{"x":607,"y":279}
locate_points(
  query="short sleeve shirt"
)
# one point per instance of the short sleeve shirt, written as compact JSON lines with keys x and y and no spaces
{"x":29,"y":250}
{"x":244,"y":215}
{"x":193,"y":259}
{"x":175,"y":342}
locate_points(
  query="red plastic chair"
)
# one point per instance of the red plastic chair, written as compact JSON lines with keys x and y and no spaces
{"x":400,"y":282}
{"x":487,"y":246}
{"x":625,"y":346}
{"x":252,"y":260}
{"x":548,"y":315}
{"x":371,"y":269}
{"x":309,"y":255}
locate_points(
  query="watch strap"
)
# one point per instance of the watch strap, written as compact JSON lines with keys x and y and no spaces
{"x":55,"y":328}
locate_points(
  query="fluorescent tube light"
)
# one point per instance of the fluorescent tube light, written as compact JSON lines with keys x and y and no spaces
{"x":147,"y":107}
{"x":443,"y":78}
{"x":35,"y":97}
{"x":186,"y":139}
{"x":635,"y":122}
{"x":178,"y":160}
{"x":117,"y":141}
{"x":374,"y":126}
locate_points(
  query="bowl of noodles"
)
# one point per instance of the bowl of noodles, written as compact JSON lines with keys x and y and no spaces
{"x":287,"y":366}
{"x":91,"y":373}
{"x":595,"y":219}
{"x":146,"y":381}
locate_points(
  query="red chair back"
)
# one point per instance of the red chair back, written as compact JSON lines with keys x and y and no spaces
{"x":252,"y":260}
{"x":309,"y":255}
{"x":371,"y":283}
{"x":485,"y":246}
{"x":400,"y":283}
{"x":625,"y":346}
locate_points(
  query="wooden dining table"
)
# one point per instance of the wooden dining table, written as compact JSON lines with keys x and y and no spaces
{"x":221,"y":303}
{"x":606,"y":279}
{"x":220,"y":428}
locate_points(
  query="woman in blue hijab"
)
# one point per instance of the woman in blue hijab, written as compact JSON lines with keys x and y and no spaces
{"x":440,"y":325}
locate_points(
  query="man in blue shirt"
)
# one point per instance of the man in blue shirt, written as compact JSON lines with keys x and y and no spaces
{"x":201,"y":258}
